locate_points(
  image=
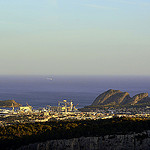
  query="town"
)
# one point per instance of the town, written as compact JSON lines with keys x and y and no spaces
{"x":66,"y":111}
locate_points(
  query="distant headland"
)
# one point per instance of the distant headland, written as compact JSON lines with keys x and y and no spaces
{"x":9,"y":103}
{"x":117,"y":98}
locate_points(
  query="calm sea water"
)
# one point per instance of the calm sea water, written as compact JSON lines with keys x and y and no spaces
{"x":40,"y":91}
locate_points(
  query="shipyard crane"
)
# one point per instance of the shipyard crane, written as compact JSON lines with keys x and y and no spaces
{"x":66,"y":105}
{"x":75,"y":107}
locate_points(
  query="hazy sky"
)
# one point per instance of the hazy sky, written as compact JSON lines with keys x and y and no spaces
{"x":75,"y":37}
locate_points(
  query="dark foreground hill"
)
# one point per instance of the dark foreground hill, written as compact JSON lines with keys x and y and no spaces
{"x":9,"y":103}
{"x":130,"y":141}
{"x":55,"y":133}
{"x":116,"y":98}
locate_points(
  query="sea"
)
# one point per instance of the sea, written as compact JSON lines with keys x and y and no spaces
{"x":40,"y":91}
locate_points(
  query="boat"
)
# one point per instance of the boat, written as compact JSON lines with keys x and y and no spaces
{"x":49,"y":78}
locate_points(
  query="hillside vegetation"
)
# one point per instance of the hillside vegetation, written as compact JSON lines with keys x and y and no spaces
{"x":23,"y":134}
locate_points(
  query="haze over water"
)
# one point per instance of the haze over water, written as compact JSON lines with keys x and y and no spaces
{"x":40,"y":91}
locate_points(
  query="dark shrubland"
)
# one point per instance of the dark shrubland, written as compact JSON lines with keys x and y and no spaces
{"x":17,"y":135}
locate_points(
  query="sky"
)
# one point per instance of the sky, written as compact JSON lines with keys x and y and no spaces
{"x":74,"y":37}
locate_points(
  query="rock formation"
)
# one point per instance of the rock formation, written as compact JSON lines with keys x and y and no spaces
{"x":102,"y":98}
{"x":138,"y":141}
{"x":116,"y":97}
{"x":139,"y":97}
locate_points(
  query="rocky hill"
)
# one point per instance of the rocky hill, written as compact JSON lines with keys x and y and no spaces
{"x":117,"y":97}
{"x":9,"y":103}
{"x":140,"y":98}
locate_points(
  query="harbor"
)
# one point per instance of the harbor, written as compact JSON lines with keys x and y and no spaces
{"x":65,"y":110}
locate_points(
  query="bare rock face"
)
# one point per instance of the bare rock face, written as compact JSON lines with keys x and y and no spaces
{"x":116,"y":97}
{"x":111,"y":97}
{"x":104,"y":96}
{"x":138,"y":98}
{"x":138,"y":141}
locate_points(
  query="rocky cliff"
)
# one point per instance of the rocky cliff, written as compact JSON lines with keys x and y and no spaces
{"x":138,"y":141}
{"x":137,"y":98}
{"x":117,"y":97}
